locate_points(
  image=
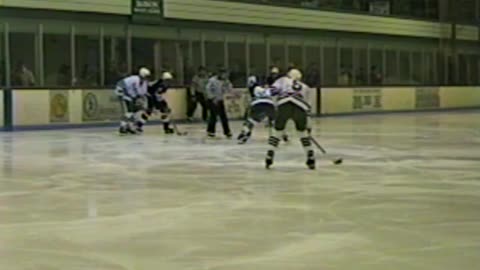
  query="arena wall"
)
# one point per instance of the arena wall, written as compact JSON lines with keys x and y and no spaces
{"x":123,"y":7}
{"x":397,"y":99}
{"x":56,"y":108}
{"x":30,"y":107}
{"x":44,"y":107}
{"x":233,"y":12}
{"x":1,"y":109}
{"x":459,"y":97}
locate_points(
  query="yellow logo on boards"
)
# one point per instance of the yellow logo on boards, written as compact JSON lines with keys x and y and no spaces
{"x":59,"y":106}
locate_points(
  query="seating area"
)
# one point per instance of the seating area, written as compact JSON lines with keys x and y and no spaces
{"x":419,"y":9}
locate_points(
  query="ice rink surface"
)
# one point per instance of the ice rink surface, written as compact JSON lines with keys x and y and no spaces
{"x":407,"y":197}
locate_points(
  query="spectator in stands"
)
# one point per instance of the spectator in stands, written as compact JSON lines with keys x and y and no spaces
{"x":330,"y":4}
{"x":345,"y":76}
{"x":361,"y":77}
{"x":291,"y":66}
{"x":89,"y":76}
{"x":356,"y":5}
{"x":22,"y":76}
{"x":64,"y":73}
{"x":315,"y":4}
{"x":376,"y":77}
{"x":312,"y":76}
{"x":117,"y":71}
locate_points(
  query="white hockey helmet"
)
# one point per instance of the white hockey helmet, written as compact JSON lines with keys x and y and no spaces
{"x":167,"y":76}
{"x":275,"y":70}
{"x":144,"y":72}
{"x":295,"y":74}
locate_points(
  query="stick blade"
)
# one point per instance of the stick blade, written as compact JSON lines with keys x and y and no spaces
{"x":338,"y":161}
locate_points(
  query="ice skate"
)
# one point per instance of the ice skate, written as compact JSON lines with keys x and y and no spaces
{"x":269,"y":159}
{"x":243,"y":137}
{"x":311,"y":160}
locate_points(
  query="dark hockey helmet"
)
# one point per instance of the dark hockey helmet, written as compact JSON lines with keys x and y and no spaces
{"x":222,"y":73}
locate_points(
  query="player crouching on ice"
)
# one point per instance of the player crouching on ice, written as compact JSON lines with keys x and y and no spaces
{"x":291,"y":104}
{"x":156,"y":102}
{"x":131,"y":92}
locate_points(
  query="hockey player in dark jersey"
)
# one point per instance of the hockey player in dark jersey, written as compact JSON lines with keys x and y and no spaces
{"x":261,"y":107}
{"x":156,"y":102}
{"x":252,"y":82}
{"x":274,"y":75}
{"x":291,"y":104}
{"x":271,"y":79}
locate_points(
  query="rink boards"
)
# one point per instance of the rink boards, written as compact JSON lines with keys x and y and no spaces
{"x":95,"y":107}
{"x":92,"y":107}
{"x":397,"y":99}
{"x":1,"y":109}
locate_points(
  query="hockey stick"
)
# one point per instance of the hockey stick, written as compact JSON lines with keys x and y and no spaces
{"x":177,"y":131}
{"x":318,"y":145}
{"x":336,"y":161}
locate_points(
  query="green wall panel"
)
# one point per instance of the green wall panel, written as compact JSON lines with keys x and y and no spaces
{"x":98,"y":6}
{"x":231,"y":12}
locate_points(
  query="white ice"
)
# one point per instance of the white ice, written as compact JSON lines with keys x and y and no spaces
{"x":407,"y":197}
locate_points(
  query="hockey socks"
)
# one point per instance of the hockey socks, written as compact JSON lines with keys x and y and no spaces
{"x":307,"y":146}
{"x":141,"y":120}
{"x":273,"y":141}
{"x":246,"y":131}
{"x":126,"y":125}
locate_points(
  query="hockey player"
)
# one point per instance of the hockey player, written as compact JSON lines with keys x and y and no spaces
{"x":252,"y":82}
{"x":156,"y":102}
{"x":271,"y":79}
{"x":131,"y":90}
{"x":291,"y":105}
{"x":274,"y":75}
{"x":261,"y":107}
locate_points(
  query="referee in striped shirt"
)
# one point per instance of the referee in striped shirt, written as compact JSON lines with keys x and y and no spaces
{"x":217,"y":87}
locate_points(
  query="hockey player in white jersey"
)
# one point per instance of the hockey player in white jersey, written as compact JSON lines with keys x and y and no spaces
{"x":291,"y":104}
{"x":261,"y":107}
{"x":131,"y":92}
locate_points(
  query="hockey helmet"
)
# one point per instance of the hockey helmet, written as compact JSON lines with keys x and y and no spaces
{"x":144,"y":72}
{"x":222,"y":73}
{"x":167,"y":76}
{"x":295,"y":74}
